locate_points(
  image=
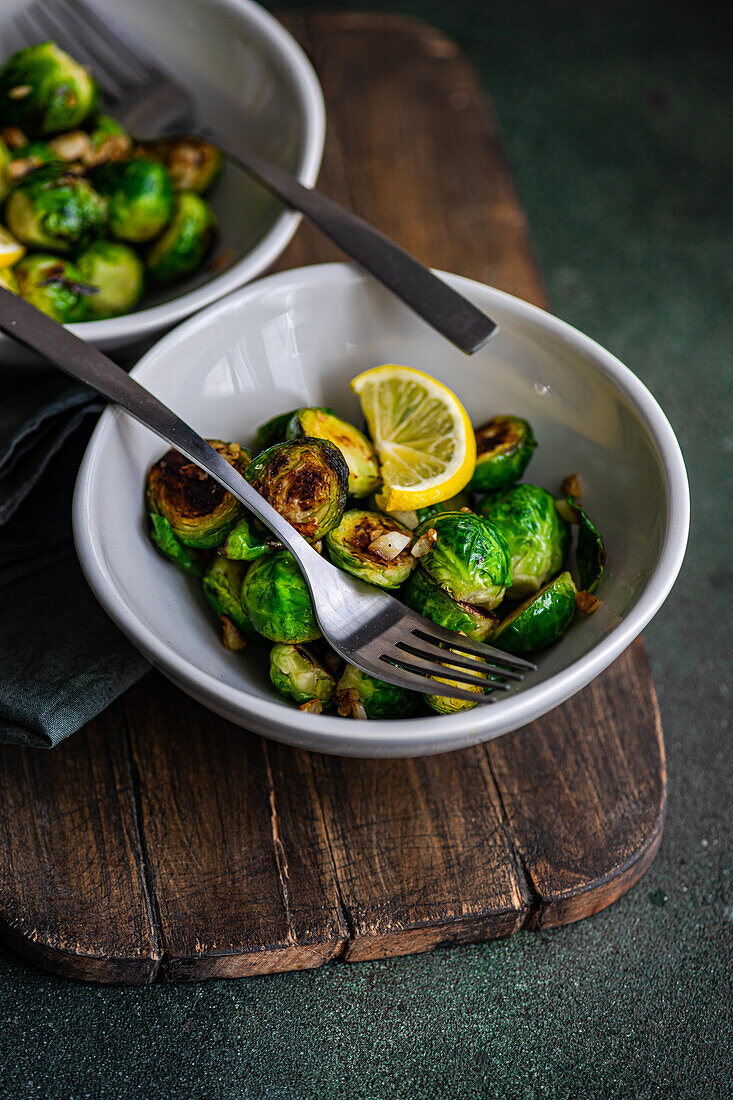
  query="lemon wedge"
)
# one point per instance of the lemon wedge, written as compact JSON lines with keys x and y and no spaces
{"x":424,"y":439}
{"x":10,"y":250}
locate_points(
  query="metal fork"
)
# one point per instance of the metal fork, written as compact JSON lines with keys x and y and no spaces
{"x":151,"y":105}
{"x":368,"y":628}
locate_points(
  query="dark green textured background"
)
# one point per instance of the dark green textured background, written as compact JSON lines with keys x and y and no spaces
{"x":618,"y":124}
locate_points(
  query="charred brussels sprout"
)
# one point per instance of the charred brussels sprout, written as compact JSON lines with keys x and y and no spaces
{"x":359,"y":695}
{"x":540,"y":620}
{"x":8,"y":280}
{"x":431,"y":601}
{"x":184,"y":244}
{"x":248,"y":541}
{"x":54,"y":286}
{"x":296,"y":674}
{"x":504,"y":446}
{"x":222,"y":585}
{"x":468,"y":559}
{"x":44,"y":90}
{"x":140,"y":198}
{"x":108,"y":140}
{"x":200,"y":512}
{"x":193,"y":164}
{"x":358,"y":451}
{"x":163,"y":536}
{"x":117,"y":274}
{"x":53,"y":209}
{"x":535,"y":532}
{"x":276,"y":599}
{"x":372,"y":547}
{"x":306,"y":481}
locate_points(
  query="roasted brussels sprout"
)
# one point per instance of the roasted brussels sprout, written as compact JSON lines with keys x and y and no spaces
{"x":164,"y":537}
{"x":222,"y":585}
{"x":273,"y":431}
{"x":198,"y":509}
{"x":193,"y":164}
{"x":540,"y":620}
{"x":184,"y":244}
{"x":359,"y":695}
{"x":535,"y":532}
{"x":358,"y":451}
{"x":469,"y":558}
{"x":8,"y":279}
{"x":108,"y":141}
{"x":372,"y":547}
{"x":434,"y":603}
{"x":276,"y":599}
{"x":248,"y":541}
{"x":296,"y":674}
{"x":117,"y":273}
{"x":54,"y":286}
{"x":459,"y":503}
{"x":306,"y":481}
{"x":29,"y":157}
{"x":590,"y":553}
{"x":504,"y":446}
{"x":44,"y":90}
{"x":445,"y":704}
{"x":54,"y":209}
{"x":140,"y":198}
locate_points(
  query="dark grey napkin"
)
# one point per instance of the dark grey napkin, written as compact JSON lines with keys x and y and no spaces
{"x":62,"y":660}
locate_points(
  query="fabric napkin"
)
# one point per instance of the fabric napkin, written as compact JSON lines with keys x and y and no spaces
{"x":62,"y":660}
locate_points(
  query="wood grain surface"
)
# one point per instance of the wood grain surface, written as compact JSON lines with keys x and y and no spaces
{"x":164,"y":842}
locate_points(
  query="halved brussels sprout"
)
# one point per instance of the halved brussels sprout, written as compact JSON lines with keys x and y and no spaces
{"x":222,"y":585}
{"x":296,"y":674}
{"x":273,"y":431}
{"x":469,"y":558}
{"x":445,"y":704}
{"x":372,"y":547}
{"x":192,"y":163}
{"x":44,"y":90}
{"x":359,"y":695}
{"x":504,"y":446}
{"x":118,"y":275}
{"x":108,"y":141}
{"x":535,"y":532}
{"x":306,"y":481}
{"x":8,"y":280}
{"x":590,"y":553}
{"x":434,"y":603}
{"x":184,"y":244}
{"x":358,"y":451}
{"x":248,"y":541}
{"x":140,"y":197}
{"x":54,"y":209}
{"x":164,"y":537}
{"x":54,"y":286}
{"x":540,"y":620}
{"x":276,"y":599}
{"x":198,"y":509}
{"x":457,"y":503}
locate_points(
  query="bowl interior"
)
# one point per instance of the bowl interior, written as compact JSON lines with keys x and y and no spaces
{"x":298,"y":338}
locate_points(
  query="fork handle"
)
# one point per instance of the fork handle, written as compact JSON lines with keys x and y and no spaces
{"x":437,"y":303}
{"x":27,"y":325}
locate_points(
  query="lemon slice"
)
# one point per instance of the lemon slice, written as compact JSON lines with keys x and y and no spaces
{"x":425,"y":442}
{"x":10,"y":250}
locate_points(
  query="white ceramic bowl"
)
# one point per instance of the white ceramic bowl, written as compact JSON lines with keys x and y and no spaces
{"x":298,"y":338}
{"x":249,"y":78}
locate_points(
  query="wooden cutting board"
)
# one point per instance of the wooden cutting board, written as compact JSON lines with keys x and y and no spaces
{"x":163,"y":842}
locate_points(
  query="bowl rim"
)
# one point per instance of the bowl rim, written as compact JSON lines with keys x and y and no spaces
{"x":134,"y":326}
{"x":411,"y":735}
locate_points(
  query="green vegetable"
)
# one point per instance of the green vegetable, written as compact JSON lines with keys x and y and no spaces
{"x":44,"y":90}
{"x":590,"y":553}
{"x":455,"y":504}
{"x":469,"y":558}
{"x":306,"y":481}
{"x":183,"y":246}
{"x":535,"y":532}
{"x":117,"y":272}
{"x":164,"y":537}
{"x":248,"y":541}
{"x":140,"y":197}
{"x":276,"y":599}
{"x":364,"y":544}
{"x":27,"y":158}
{"x":359,"y":695}
{"x":53,"y":209}
{"x":540,"y":620}
{"x":358,"y":451}
{"x":200,"y":512}
{"x":193,"y":164}
{"x":8,"y":279}
{"x":273,"y":431}
{"x":109,"y":140}
{"x":222,"y":586}
{"x":296,"y":674}
{"x":504,"y":446}
{"x":445,"y":704}
{"x":54,"y":286}
{"x":434,"y":603}
{"x":5,"y":159}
